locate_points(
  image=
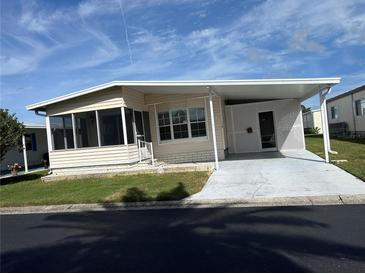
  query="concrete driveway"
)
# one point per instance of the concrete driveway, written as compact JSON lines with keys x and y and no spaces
{"x":278,"y":174}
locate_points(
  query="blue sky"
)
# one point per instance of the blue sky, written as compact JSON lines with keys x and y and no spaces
{"x":50,"y":48}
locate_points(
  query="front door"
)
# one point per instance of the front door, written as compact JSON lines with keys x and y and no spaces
{"x":267,"y":131}
{"x":138,"y":119}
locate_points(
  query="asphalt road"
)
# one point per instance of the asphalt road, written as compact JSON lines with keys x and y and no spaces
{"x":276,"y":239}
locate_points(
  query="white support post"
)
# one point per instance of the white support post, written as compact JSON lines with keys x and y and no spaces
{"x":324,"y":126}
{"x":25,"y":154}
{"x":74,"y":129}
{"x":49,"y":134}
{"x":139,"y":150}
{"x":98,"y":127}
{"x":152,"y":156}
{"x":156,"y":124}
{"x":327,"y":129}
{"x":213,"y":131}
{"x":125,"y":136}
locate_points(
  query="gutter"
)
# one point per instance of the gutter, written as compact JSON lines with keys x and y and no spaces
{"x":326,"y":123}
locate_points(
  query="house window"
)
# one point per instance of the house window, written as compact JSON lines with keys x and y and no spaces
{"x":61,"y":130}
{"x":164,"y":126}
{"x":86,"y":131}
{"x":360,"y":107}
{"x":30,"y":142}
{"x":334,"y":113}
{"x":197,"y":122}
{"x":111,"y":128}
{"x":182,"y":124}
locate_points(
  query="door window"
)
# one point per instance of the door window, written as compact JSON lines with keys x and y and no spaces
{"x":267,"y":129}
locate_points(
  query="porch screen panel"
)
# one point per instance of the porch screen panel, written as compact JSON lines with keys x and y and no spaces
{"x":129,"y":125}
{"x":180,"y":123}
{"x":111,"y":128}
{"x":61,"y":130}
{"x":86,"y":131}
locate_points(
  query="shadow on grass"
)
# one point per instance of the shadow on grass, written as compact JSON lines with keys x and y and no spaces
{"x":135,"y":194}
{"x":177,"y":193}
{"x":22,"y":178}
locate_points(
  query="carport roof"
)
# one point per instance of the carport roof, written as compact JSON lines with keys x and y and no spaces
{"x":230,"y":89}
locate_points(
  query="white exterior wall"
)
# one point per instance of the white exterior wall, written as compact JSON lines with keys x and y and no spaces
{"x":308,"y":120}
{"x":359,"y":120}
{"x":109,"y":157}
{"x":312,"y":119}
{"x":34,"y":157}
{"x":317,"y":120}
{"x":346,"y":111}
{"x":105,"y":156}
{"x":186,"y":150}
{"x":288,"y":125}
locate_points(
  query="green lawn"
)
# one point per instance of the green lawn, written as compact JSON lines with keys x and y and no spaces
{"x":352,"y":150}
{"x":30,"y":190}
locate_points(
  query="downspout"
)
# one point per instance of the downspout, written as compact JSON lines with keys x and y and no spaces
{"x":326,"y":123}
{"x":211,"y":93}
{"x":49,"y":142}
{"x":353,"y":112}
{"x":25,"y":154}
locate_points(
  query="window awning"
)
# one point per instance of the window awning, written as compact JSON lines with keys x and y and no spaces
{"x":230,"y":89}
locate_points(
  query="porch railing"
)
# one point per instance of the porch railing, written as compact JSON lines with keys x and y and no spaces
{"x":145,"y":151}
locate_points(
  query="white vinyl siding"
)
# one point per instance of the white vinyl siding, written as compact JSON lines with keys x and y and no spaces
{"x":112,"y":98}
{"x":190,"y":149}
{"x":99,"y":156}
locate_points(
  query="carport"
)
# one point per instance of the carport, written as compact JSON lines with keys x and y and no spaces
{"x":249,"y":102}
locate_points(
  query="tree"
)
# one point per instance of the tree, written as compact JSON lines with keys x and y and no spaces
{"x":305,"y":109}
{"x":11,"y":132}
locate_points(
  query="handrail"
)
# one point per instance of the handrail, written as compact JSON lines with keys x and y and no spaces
{"x":147,"y":145}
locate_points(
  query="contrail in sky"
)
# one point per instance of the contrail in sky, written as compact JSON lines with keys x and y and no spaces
{"x":126,"y":31}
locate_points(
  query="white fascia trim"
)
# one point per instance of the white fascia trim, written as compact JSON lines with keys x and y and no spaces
{"x":30,"y":127}
{"x":319,"y":81}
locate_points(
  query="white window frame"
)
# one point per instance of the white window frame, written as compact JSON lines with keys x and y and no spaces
{"x":189,"y":138}
{"x":158,"y":126}
{"x":98,"y":129}
{"x":335,"y":112}
{"x":178,"y":124}
{"x":198,"y":122}
{"x":48,"y":124}
{"x":362,"y":113}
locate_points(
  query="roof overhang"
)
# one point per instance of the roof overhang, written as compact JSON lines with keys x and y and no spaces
{"x":230,"y":89}
{"x":33,"y":125}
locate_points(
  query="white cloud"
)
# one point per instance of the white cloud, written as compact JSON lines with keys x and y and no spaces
{"x":299,"y":41}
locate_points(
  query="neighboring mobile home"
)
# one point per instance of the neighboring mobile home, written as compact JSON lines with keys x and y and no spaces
{"x":312,"y":120}
{"x":346,"y":113}
{"x":121,"y":122}
{"x":35,"y":144}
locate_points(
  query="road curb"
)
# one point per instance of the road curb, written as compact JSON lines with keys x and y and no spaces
{"x":252,"y":202}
